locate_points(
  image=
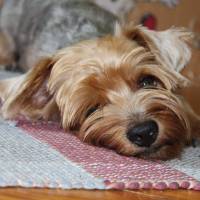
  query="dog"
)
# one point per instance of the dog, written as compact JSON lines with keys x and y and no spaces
{"x":32,"y":29}
{"x":120,"y":91}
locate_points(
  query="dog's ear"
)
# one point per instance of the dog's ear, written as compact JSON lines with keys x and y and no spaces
{"x":28,"y":93}
{"x":169,"y":46}
{"x":74,"y":86}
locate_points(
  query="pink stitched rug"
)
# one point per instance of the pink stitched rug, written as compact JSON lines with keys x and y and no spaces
{"x":116,"y":171}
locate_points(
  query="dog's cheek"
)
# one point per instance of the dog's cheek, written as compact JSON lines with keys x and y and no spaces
{"x":194,"y":121}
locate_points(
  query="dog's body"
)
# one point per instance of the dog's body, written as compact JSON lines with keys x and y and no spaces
{"x":31,"y":29}
{"x":119,"y":91}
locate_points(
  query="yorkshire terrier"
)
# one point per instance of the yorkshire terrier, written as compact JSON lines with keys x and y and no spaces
{"x":120,"y":91}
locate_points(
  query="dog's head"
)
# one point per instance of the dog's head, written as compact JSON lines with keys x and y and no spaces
{"x":121,"y":91}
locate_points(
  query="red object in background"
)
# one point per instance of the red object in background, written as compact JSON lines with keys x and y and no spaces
{"x":149,"y":21}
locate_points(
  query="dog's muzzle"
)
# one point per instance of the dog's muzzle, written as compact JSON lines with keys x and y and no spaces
{"x":143,"y":134}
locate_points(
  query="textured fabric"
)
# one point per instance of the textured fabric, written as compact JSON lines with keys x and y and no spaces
{"x":27,"y":162}
{"x":7,"y":74}
{"x":118,"y":171}
{"x":189,"y":163}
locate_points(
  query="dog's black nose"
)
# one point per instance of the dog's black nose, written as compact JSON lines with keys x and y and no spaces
{"x":143,"y":134}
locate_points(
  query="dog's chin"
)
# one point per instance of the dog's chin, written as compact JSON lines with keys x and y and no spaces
{"x":164,"y":151}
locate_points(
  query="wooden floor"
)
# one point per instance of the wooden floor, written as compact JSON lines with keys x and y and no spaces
{"x":46,"y":194}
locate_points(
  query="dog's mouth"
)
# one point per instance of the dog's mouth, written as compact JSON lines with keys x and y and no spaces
{"x":154,"y":151}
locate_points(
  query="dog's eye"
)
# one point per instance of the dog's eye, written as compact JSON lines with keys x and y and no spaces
{"x":92,"y":110}
{"x":148,"y":81}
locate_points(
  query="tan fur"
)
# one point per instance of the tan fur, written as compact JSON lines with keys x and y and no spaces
{"x":104,"y":72}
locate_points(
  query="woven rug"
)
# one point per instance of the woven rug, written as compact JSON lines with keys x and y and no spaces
{"x":42,"y":155}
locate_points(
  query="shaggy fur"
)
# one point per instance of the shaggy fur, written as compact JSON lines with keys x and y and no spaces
{"x":31,"y":29}
{"x":95,"y":89}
